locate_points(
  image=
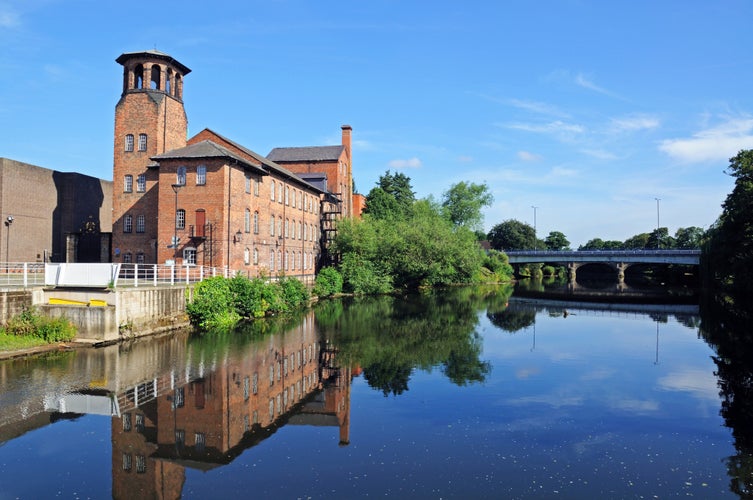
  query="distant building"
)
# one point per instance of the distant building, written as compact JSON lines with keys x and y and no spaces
{"x":53,"y":216}
{"x":208,"y":200}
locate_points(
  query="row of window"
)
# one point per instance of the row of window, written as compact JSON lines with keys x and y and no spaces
{"x":296,"y":391}
{"x":293,"y":259}
{"x":140,"y":183}
{"x":129,"y":142}
{"x":301,"y":230}
{"x":293,"y":197}
{"x":128,"y":223}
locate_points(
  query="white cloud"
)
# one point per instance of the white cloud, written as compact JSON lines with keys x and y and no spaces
{"x":599,"y":154}
{"x":410,"y":163}
{"x":700,"y":383}
{"x":8,"y":18}
{"x":635,"y":122}
{"x":584,"y":82}
{"x":714,"y":144}
{"x":537,"y":107}
{"x":555,"y":127}
{"x":528,"y":156}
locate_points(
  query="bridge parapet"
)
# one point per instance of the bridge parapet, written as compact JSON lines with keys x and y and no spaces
{"x":683,"y":257}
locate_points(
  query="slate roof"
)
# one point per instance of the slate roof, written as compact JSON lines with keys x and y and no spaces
{"x":306,"y":154}
{"x":153,"y":54}
{"x":206,"y":149}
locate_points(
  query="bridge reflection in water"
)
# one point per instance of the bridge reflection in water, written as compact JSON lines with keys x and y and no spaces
{"x":177,"y":403}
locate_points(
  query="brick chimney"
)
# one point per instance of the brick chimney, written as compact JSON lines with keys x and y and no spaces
{"x":347,"y":130}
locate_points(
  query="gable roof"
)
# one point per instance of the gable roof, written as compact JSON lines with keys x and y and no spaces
{"x":206,"y":149}
{"x":306,"y":154}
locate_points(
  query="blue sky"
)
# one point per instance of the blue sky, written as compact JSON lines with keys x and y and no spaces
{"x":586,"y":109}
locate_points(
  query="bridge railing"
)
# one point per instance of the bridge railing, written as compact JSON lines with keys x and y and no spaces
{"x":600,"y":253}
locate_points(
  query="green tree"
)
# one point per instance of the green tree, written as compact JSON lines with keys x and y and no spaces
{"x":660,"y":239}
{"x":381,"y":205}
{"x":556,"y":241}
{"x":392,"y":198}
{"x":637,"y":242}
{"x":512,"y":235}
{"x":462,"y":204}
{"x":689,"y":237}
{"x":729,"y":253}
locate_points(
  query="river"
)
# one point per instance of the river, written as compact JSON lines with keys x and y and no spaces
{"x":461,"y":393}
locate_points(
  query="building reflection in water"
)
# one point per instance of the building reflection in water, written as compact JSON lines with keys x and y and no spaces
{"x":208,"y":413}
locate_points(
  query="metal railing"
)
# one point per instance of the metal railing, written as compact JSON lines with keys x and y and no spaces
{"x":32,"y":274}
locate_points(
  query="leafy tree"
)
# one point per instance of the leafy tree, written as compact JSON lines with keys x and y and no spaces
{"x":462,"y":203}
{"x":637,"y":242}
{"x":392,"y":198}
{"x":556,"y":241}
{"x":512,"y":235}
{"x":382,"y":205}
{"x":689,"y":237}
{"x":660,"y":239}
{"x":729,"y":254}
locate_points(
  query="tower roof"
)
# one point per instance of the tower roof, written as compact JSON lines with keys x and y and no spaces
{"x":153,"y":54}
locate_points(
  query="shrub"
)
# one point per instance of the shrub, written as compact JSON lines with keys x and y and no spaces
{"x":328,"y":282}
{"x":294,"y":292}
{"x":31,"y":323}
{"x":213,"y":304}
{"x":362,"y":278}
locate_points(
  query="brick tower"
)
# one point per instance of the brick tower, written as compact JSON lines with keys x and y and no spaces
{"x":149,"y":120}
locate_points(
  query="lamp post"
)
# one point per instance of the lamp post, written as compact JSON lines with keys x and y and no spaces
{"x":176,"y":188}
{"x":657,"y":222}
{"x":534,"y":227}
{"x":8,"y":222}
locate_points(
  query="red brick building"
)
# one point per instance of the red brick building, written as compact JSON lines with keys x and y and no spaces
{"x":208,"y":200}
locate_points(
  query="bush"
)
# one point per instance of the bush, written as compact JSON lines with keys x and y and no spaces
{"x":328,"y":282}
{"x":213,"y":304}
{"x":294,"y":292}
{"x":30,"y":323}
{"x":361,"y":277}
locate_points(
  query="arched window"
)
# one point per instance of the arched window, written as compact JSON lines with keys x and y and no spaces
{"x":256,"y":257}
{"x":246,"y":256}
{"x":156,"y":78}
{"x":272,"y":226}
{"x":247,"y":221}
{"x":272,"y":259}
{"x":169,"y":81}
{"x":180,"y":219}
{"x":272,"y":191}
{"x":138,"y":76}
{"x":129,"y":142}
{"x":256,"y":222}
{"x":287,"y":195}
{"x":142,"y":142}
{"x":178,"y":92}
{"x":181,"y":176}
{"x":286,"y":228}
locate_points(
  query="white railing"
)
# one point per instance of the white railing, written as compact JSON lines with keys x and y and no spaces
{"x":32,"y":274}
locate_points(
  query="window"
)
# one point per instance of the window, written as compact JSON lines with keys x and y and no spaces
{"x":181,"y":176}
{"x":287,"y":195}
{"x":256,"y":222}
{"x":271,"y":260}
{"x":279,"y":197}
{"x":256,"y":187}
{"x":129,"y":142}
{"x":286,"y":260}
{"x":127,"y":224}
{"x":140,"y":223}
{"x":247,"y":221}
{"x":272,"y":226}
{"x":140,"y":258}
{"x":248,"y":183}
{"x":141,"y":183}
{"x":201,"y":175}
{"x":279,"y":226}
{"x":189,"y":256}
{"x":126,"y":461}
{"x":180,"y":438}
{"x":127,"y":258}
{"x":272,"y":191}
{"x":293,"y":203}
{"x":255,"y":385}
{"x":180,"y":219}
{"x":140,"y":422}
{"x":126,"y":422}
{"x":128,"y":184}
{"x":286,"y":228}
{"x":256,"y":257}
{"x":180,"y":397}
{"x":140,"y":464}
{"x":246,"y":388}
{"x":142,"y":142}
{"x":246,"y":256}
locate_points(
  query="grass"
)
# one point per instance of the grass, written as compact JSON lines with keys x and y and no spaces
{"x":16,"y":342}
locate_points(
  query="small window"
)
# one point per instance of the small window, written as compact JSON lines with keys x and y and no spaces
{"x":129,"y":142}
{"x":140,"y":223}
{"x":127,"y":224}
{"x":256,"y":187}
{"x":201,"y":175}
{"x":248,"y":183}
{"x":255,"y":385}
{"x":128,"y":184}
{"x":286,"y":228}
{"x":140,"y":258}
{"x":272,"y":226}
{"x":247,"y":221}
{"x":272,"y":191}
{"x":126,"y":422}
{"x":246,"y":388}
{"x":287,"y":195}
{"x":271,"y":260}
{"x":256,"y":222}
{"x":256,"y":257}
{"x":181,"y":176}
{"x":141,"y":183}
{"x":189,"y":256}
{"x":142,"y":142}
{"x":246,"y":256}
{"x":180,"y":219}
{"x":279,"y":197}
{"x":140,"y":464}
{"x":127,"y":258}
{"x":126,"y":461}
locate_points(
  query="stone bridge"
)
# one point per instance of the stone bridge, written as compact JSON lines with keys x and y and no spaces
{"x":619,"y":260}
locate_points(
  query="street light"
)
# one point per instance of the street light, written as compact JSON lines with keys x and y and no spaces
{"x":534,"y":227}
{"x":8,"y":222}
{"x":176,"y":188}
{"x":657,"y":223}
